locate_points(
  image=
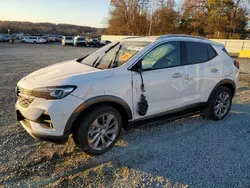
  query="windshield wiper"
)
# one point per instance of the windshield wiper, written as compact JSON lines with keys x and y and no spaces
{"x":79,"y":60}
{"x":102,"y":55}
{"x":113,"y":59}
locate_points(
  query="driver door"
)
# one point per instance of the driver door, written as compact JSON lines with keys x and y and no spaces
{"x":163,"y":78}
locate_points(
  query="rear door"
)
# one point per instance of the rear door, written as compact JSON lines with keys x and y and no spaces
{"x":202,"y":71}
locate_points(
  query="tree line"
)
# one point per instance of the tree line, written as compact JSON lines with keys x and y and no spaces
{"x":46,"y":28}
{"x":209,"y":18}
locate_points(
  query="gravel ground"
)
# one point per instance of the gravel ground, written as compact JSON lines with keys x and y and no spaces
{"x":185,"y":152}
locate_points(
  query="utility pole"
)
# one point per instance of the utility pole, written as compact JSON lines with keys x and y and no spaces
{"x":151,"y":18}
{"x":150,"y":25}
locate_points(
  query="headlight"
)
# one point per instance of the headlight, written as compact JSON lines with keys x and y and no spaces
{"x":53,"y":92}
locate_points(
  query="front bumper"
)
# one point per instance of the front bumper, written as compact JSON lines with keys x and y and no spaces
{"x":56,"y":139}
{"x":47,"y":119}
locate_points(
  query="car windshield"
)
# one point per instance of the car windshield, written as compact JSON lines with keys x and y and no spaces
{"x":114,"y":54}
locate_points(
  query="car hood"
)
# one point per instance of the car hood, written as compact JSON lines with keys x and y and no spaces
{"x":64,"y":73}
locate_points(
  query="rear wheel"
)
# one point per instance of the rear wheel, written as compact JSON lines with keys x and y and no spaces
{"x":98,"y":130}
{"x":219,"y":104}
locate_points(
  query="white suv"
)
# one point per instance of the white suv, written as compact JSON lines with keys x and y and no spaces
{"x":33,"y":39}
{"x":94,"y":97}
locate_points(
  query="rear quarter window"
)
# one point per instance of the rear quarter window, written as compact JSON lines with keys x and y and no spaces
{"x":224,"y":50}
{"x":211,"y":52}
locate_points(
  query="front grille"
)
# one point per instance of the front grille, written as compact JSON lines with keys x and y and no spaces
{"x":24,"y":101}
{"x":24,"y":97}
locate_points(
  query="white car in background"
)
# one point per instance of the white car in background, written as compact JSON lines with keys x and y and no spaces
{"x":52,"y":38}
{"x":131,"y":80}
{"x":33,"y":39}
{"x":67,"y":40}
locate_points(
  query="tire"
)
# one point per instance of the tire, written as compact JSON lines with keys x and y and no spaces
{"x":216,"y":105}
{"x":92,"y":121}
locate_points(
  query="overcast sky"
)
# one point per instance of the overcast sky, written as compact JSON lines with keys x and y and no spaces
{"x":78,"y":12}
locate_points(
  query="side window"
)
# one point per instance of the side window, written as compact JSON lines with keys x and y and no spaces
{"x":163,"y":56}
{"x":211,"y":52}
{"x":195,"y":52}
{"x":224,"y":50}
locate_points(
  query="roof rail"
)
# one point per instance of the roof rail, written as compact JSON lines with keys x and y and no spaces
{"x":180,"y":35}
{"x":131,"y":37}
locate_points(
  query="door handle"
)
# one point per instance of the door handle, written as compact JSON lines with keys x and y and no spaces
{"x":214,"y":70}
{"x":187,"y":77}
{"x":177,"y":75}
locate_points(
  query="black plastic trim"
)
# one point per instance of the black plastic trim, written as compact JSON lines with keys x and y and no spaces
{"x":92,"y":101}
{"x":224,"y":81}
{"x":188,"y":108}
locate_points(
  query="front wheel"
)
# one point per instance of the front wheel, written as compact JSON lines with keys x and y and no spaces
{"x":97,"y":131}
{"x":219,"y":104}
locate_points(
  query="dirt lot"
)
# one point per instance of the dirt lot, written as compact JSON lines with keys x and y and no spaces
{"x":189,"y":151}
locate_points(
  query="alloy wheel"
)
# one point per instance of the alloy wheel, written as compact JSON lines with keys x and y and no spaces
{"x":103,"y":131}
{"x":222,"y":104}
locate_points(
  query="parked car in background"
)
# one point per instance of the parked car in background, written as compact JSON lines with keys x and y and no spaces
{"x":127,"y":81}
{"x":19,"y":36}
{"x":79,"y":41}
{"x":5,"y":38}
{"x":52,"y":38}
{"x":58,"y":39}
{"x":33,"y":39}
{"x":93,"y":42}
{"x":46,"y":38}
{"x":67,"y":40}
{"x":104,"y":42}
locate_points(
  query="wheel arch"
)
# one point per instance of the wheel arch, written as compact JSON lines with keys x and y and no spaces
{"x":89,"y":104}
{"x":230,"y":84}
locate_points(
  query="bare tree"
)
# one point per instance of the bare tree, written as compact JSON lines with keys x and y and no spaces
{"x":221,"y":19}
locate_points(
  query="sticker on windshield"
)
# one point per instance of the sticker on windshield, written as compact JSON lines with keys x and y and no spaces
{"x":125,"y":56}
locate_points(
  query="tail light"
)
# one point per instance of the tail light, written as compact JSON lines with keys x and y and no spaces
{"x":236,"y":64}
